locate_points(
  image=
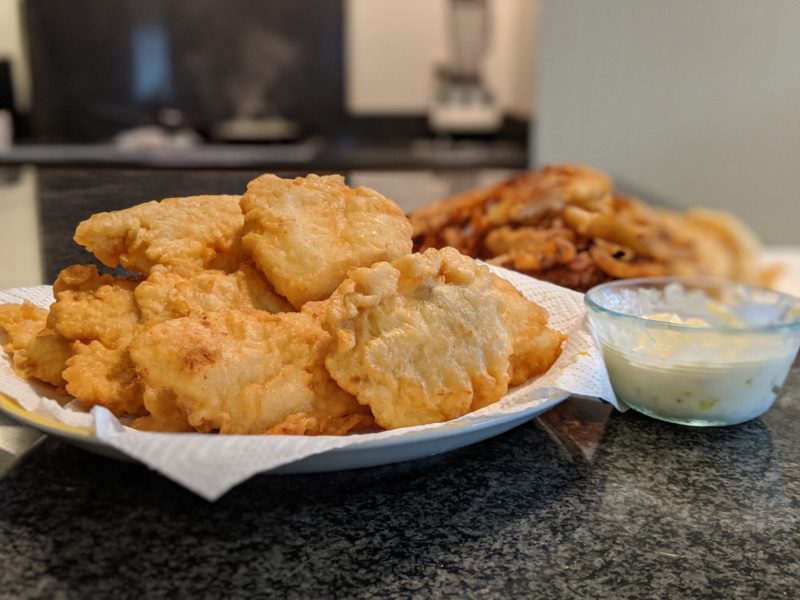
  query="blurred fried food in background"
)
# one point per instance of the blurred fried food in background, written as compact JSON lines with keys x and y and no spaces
{"x":566,"y":224}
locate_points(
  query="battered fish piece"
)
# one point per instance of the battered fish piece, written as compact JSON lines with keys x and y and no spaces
{"x":535,"y":346}
{"x":303,"y":424}
{"x":195,"y":232}
{"x":21,"y":322}
{"x":246,"y":372}
{"x":316,"y":310}
{"x":90,"y":306}
{"x":36,"y":351}
{"x":305,"y":233}
{"x":98,"y":375}
{"x":97,"y":314}
{"x":172,"y":293}
{"x":420,"y":340}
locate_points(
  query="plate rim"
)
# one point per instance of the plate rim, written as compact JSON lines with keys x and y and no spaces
{"x":15,"y":411}
{"x":83,"y":436}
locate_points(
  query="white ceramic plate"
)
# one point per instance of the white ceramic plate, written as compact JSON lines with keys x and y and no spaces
{"x":370,"y":453}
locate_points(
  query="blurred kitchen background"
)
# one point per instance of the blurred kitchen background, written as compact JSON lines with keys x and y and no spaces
{"x":683,"y":102}
{"x":319,"y":84}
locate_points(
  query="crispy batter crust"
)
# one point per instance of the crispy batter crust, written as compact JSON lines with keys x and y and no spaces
{"x":97,"y":314}
{"x":195,"y":232}
{"x":535,"y":346}
{"x":245,"y":372}
{"x":420,"y":339}
{"x":305,"y":233}
{"x":169,"y":293}
{"x":36,"y":351}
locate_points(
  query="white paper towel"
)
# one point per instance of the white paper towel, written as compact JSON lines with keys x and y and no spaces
{"x":210,"y":464}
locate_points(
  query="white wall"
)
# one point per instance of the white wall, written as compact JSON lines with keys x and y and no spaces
{"x":392,"y":47}
{"x":11,"y":46}
{"x":698,"y":101}
{"x":21,"y":263}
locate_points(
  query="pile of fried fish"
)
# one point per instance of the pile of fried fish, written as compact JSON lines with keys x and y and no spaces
{"x":296,"y":308}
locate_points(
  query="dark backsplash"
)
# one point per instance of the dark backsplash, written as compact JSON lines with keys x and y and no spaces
{"x":103,"y":66}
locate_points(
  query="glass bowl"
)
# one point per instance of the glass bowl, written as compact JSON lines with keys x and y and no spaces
{"x":695,"y":351}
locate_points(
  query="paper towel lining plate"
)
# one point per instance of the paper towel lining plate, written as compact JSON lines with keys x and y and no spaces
{"x":370,"y":453}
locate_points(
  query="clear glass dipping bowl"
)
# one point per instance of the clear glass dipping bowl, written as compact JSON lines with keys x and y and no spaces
{"x":725,"y":373}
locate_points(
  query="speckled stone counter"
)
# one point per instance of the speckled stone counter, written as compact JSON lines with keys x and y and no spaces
{"x":660,"y":511}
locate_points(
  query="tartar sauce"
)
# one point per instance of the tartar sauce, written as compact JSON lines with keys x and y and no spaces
{"x":718,"y":367}
{"x":700,"y":393}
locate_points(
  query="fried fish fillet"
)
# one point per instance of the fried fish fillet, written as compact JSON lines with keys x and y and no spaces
{"x":305,"y":233}
{"x":420,"y":340}
{"x":195,"y":232}
{"x":535,"y":346}
{"x":245,"y":372}
{"x":97,"y":314}
{"x":36,"y":351}
{"x":21,"y":322}
{"x":169,"y":293}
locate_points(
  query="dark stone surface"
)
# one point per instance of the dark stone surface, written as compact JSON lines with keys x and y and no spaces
{"x":661,"y":511}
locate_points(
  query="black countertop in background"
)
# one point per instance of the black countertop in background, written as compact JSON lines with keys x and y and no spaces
{"x":311,"y":154}
{"x":659,"y":510}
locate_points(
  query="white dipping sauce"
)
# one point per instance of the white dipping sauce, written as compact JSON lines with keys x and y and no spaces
{"x":690,"y":359}
{"x":702,"y":394}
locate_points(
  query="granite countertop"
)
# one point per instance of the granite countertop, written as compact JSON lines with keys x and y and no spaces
{"x":654,"y":510}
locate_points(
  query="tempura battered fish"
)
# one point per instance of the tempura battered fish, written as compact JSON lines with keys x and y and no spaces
{"x":90,"y":306}
{"x":21,"y":322}
{"x":299,"y":309}
{"x":305,"y":233}
{"x":195,"y":232}
{"x":420,"y":340}
{"x":35,"y":350}
{"x":535,"y":346}
{"x":98,"y":315}
{"x":172,"y":293}
{"x":241,"y":372}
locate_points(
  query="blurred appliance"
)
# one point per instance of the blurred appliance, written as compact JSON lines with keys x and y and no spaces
{"x":239,"y":69}
{"x":393,"y":48}
{"x":462,"y":101}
